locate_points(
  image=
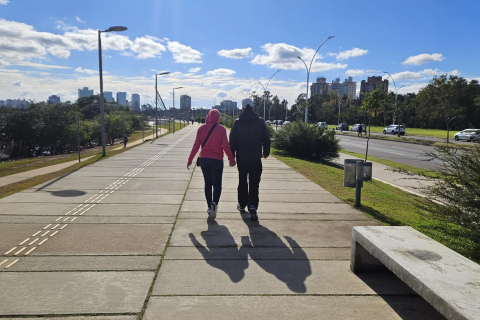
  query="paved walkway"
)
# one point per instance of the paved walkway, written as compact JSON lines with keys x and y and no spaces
{"x":92,"y":243}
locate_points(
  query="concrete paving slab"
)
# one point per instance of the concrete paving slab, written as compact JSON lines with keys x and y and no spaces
{"x":9,"y":219}
{"x":278,"y":207}
{"x":240,"y":277}
{"x":88,"y":263}
{"x":104,"y":317}
{"x":275,"y":233}
{"x":264,"y":185}
{"x":291,"y":307}
{"x":138,"y":185}
{"x":49,"y":293}
{"x":287,"y":216}
{"x":141,"y":199}
{"x":268,"y":197}
{"x":218,"y":253}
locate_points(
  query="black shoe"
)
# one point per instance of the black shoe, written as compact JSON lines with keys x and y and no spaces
{"x":253,"y":213}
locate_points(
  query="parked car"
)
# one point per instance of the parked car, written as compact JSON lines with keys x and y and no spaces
{"x":280,"y":122}
{"x":342,"y":126}
{"x":286,"y":122}
{"x":322,"y":125}
{"x":268,"y":121}
{"x":468,"y":134}
{"x":393,"y":129}
{"x":355,"y":127}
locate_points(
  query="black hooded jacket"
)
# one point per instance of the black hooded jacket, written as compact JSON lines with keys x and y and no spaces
{"x":248,"y":136}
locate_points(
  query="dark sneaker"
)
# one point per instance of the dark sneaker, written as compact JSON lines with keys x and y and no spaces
{"x":240,"y":208}
{"x":253,"y":213}
{"x":213,"y":211}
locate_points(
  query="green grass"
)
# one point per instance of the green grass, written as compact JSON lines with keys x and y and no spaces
{"x":388,"y":205}
{"x":28,"y":183}
{"x":396,"y":165}
{"x":434,"y":133}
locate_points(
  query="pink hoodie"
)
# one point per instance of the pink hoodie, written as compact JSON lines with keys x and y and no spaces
{"x":217,"y":142}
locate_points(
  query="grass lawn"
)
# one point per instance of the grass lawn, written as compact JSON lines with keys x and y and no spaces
{"x":17,"y":166}
{"x":388,"y":205}
{"x":435,"y":133}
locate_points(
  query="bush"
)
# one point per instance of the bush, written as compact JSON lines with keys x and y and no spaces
{"x":271,"y":131}
{"x":459,"y":187}
{"x":307,"y":142}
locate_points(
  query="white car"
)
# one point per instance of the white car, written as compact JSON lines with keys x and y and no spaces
{"x":322,"y":125}
{"x":286,"y":122}
{"x":468,"y":134}
{"x":355,"y":127}
{"x":393,"y":129}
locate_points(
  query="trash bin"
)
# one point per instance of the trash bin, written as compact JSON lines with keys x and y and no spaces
{"x":364,"y":171}
{"x":349,"y":172}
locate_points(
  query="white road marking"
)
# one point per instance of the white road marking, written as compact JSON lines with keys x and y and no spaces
{"x":19,"y":251}
{"x":73,"y":209}
{"x":42,"y":242}
{"x":58,"y":219}
{"x":3,"y":261}
{"x":55,"y":226}
{"x":61,"y":228}
{"x":33,"y":235}
{"x":30,"y":251}
{"x":33,"y":241}
{"x":397,"y":153}
{"x":66,"y":219}
{"x":47,"y":226}
{"x":9,"y":251}
{"x":46,"y":232}
{"x":21,"y":243}
{"x":11,"y":264}
{"x":74,"y":219}
{"x":54,"y":233}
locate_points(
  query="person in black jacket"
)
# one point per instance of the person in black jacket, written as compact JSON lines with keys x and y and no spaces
{"x":249,"y":141}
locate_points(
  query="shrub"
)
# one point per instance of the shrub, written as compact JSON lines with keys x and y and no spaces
{"x":307,"y":142}
{"x":271,"y":131}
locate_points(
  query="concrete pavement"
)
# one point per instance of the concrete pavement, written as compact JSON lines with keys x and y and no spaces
{"x":93,"y":243}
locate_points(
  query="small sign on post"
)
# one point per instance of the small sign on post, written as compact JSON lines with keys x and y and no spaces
{"x":354,"y":173}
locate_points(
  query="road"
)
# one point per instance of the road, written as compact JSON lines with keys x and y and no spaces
{"x":401,"y":152}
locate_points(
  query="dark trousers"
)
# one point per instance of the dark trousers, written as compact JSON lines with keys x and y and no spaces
{"x":248,"y":190}
{"x":212,"y":170}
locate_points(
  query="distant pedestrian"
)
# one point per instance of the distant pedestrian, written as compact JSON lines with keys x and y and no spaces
{"x":125,"y":140}
{"x":360,"y":130}
{"x":213,"y":139}
{"x":250,"y":141}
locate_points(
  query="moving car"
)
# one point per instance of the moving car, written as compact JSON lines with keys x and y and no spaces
{"x":322,"y":125}
{"x":355,"y":127}
{"x":393,"y":129}
{"x":342,"y":126}
{"x":468,"y":134}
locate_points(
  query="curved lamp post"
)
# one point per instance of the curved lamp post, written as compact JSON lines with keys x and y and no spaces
{"x":395,"y":101}
{"x":308,"y":75}
{"x":174,"y":106}
{"x":264,"y":92}
{"x":102,"y":117}
{"x":156,"y":100}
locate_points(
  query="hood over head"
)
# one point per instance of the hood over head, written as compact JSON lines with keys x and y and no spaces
{"x":213,"y":116}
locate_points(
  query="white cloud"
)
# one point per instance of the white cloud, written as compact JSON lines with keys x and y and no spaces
{"x":194,"y":70}
{"x":414,"y":76}
{"x":184,"y":54}
{"x":4,"y":2}
{"x":235,"y":53}
{"x":360,"y":72}
{"x":423,"y":58}
{"x":126,"y":54}
{"x":221,"y":94}
{"x":355,"y":52}
{"x":148,"y":47}
{"x":37,"y":65}
{"x":221,"y":72}
{"x":87,"y":71}
{"x":80,"y":20}
{"x":284,"y":56}
{"x":3,"y":63}
{"x":331,"y":54}
{"x":59,"y":52}
{"x":17,"y":83}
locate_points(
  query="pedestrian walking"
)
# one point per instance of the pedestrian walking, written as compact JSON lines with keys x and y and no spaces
{"x":359,"y":130}
{"x":125,"y":140}
{"x":212,"y":137}
{"x":249,"y":141}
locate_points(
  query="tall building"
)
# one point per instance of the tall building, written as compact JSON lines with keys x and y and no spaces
{"x":348,"y":87}
{"x":82,"y":93}
{"x":135,"y":102}
{"x":372,"y":83}
{"x":122,"y":99}
{"x":318,"y":87}
{"x":185,"y":102}
{"x":108,"y":96}
{"x":53,"y":99}
{"x":16,"y":103}
{"x":228,"y":106}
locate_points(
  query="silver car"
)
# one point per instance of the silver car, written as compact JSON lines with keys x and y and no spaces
{"x":468,"y":134}
{"x":393,"y":129}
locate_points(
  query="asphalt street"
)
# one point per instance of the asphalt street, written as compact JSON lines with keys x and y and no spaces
{"x":401,"y":152}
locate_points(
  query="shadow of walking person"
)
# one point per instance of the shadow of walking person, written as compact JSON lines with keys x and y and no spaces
{"x":274,"y":256}
{"x":222,"y":251}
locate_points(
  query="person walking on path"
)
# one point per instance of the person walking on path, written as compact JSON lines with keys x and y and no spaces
{"x":125,"y":140}
{"x":213,"y":139}
{"x":359,"y":130}
{"x":249,"y":141}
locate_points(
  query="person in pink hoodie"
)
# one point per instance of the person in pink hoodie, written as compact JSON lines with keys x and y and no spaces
{"x":211,"y":158}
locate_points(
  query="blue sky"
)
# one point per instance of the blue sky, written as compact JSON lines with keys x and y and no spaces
{"x":50,"y":47}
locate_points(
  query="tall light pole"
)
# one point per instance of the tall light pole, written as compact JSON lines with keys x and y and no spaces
{"x":395,"y":101}
{"x":156,"y":100}
{"x":265,"y":91}
{"x":308,"y":75}
{"x":339,"y":106}
{"x":102,"y":117}
{"x":174,"y":106}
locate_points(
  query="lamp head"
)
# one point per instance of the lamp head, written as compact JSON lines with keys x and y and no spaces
{"x":385,"y":72}
{"x":116,"y":29}
{"x":331,"y":37}
{"x":179,"y":88}
{"x":162,"y":73}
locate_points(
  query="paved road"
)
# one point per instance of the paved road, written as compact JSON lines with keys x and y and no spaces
{"x":406,"y":153}
{"x":95,"y":241}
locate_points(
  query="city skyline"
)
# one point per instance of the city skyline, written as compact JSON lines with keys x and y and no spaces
{"x":54,"y":51}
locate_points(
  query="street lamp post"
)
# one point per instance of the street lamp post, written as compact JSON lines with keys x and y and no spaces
{"x":339,"y":107}
{"x":265,"y":92}
{"x":308,"y":75}
{"x":102,"y":118}
{"x":174,"y":106}
{"x":156,"y":100}
{"x":395,"y":101}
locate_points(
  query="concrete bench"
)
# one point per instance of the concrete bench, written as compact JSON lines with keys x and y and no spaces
{"x":444,"y":278}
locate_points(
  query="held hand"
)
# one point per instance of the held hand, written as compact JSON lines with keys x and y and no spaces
{"x":188,"y":165}
{"x":264,"y":157}
{"x":232,"y":164}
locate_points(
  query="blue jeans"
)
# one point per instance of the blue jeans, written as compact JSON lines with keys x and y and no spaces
{"x":212,"y":170}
